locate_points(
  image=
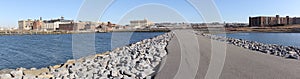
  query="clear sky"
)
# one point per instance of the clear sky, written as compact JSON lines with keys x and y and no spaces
{"x":230,"y":10}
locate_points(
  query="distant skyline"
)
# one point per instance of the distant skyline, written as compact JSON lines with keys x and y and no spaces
{"x":230,"y":10}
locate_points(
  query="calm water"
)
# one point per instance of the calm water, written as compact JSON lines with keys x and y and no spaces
{"x":44,"y":50}
{"x":286,"y":39}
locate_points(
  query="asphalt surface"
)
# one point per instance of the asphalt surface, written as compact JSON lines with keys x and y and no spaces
{"x":192,"y":56}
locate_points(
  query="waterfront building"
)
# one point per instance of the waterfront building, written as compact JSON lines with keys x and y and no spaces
{"x":25,"y":24}
{"x":53,"y":25}
{"x":91,"y":26}
{"x":273,"y":21}
{"x":73,"y":26}
{"x":236,"y":25}
{"x":296,"y":20}
{"x":37,"y":24}
{"x":76,"y":26}
{"x":140,"y":23}
{"x":62,"y":24}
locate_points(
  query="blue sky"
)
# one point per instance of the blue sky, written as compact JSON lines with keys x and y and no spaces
{"x":230,"y":10}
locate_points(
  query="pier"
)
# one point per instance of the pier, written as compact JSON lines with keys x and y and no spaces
{"x":239,"y":63}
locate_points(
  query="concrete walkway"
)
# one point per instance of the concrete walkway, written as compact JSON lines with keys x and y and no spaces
{"x":185,"y":60}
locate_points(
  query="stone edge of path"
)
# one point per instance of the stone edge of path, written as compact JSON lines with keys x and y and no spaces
{"x":46,"y":72}
{"x":271,"y":49}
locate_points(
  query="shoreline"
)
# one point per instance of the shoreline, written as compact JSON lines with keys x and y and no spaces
{"x":144,"y":59}
{"x":283,"y":29}
{"x":8,"y":33}
{"x":76,"y":33}
{"x":108,"y":63}
{"x":292,"y":52}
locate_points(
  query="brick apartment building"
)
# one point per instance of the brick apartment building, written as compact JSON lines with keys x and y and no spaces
{"x":273,"y":21}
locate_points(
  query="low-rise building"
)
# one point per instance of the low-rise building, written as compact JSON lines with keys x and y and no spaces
{"x":40,"y":24}
{"x":73,"y":26}
{"x":62,"y":24}
{"x":296,"y":20}
{"x":236,"y":25}
{"x":25,"y":24}
{"x":54,"y":24}
{"x":37,"y":25}
{"x":141,"y":23}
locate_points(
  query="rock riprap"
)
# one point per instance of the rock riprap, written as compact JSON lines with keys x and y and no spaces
{"x":273,"y":49}
{"x":135,"y":61}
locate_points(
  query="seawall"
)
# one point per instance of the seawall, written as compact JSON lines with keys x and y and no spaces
{"x":138,"y":60}
{"x":272,"y":49}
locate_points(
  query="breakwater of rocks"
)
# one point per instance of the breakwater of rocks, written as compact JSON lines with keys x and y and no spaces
{"x":272,"y":49}
{"x":135,"y":61}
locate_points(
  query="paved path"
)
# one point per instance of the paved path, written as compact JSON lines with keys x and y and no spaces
{"x":186,"y":57}
{"x":239,"y":63}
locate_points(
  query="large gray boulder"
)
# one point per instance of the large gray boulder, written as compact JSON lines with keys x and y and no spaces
{"x":18,"y":73}
{"x":5,"y":76}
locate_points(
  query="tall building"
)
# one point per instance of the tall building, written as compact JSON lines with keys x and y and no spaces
{"x":272,"y":21}
{"x":25,"y":24}
{"x":140,"y":23}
